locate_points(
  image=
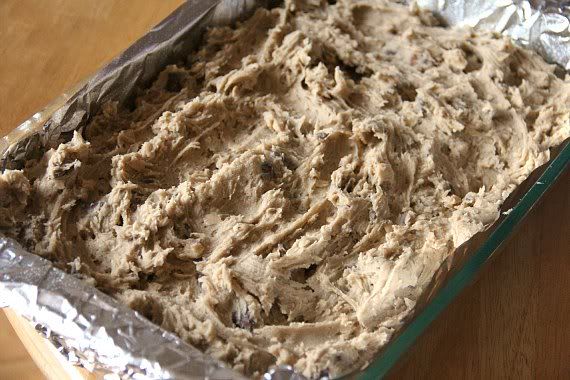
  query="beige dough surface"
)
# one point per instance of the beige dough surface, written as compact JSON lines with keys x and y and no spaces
{"x":286,"y":196}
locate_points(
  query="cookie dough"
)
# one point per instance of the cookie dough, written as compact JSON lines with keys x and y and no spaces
{"x":286,"y":196}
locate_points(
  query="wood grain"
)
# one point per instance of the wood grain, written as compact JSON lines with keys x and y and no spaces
{"x":514,"y":322}
{"x":15,"y":362}
{"x":48,"y":46}
{"x":53,"y":365}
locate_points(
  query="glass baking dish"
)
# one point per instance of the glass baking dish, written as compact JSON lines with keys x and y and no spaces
{"x":539,"y":182}
{"x":452,"y":279}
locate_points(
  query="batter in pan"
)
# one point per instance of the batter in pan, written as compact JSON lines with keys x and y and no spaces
{"x":286,"y":196}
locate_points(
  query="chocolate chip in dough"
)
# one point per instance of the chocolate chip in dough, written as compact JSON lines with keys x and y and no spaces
{"x":174,"y":82}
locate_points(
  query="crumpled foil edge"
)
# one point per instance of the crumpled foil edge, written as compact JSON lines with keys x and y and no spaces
{"x":94,"y":330}
{"x":101,"y":332}
{"x":542,"y":26}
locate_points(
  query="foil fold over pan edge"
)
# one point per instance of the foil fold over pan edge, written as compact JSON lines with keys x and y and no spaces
{"x":543,"y":26}
{"x":92,"y":328}
{"x":97,"y":328}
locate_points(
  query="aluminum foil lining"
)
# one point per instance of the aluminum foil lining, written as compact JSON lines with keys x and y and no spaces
{"x":94,"y":327}
{"x":94,"y":330}
{"x":543,"y":26}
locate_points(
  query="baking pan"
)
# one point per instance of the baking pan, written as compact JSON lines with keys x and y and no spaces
{"x":94,"y":330}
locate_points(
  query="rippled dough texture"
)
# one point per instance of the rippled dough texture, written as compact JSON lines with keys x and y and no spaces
{"x":286,"y":197}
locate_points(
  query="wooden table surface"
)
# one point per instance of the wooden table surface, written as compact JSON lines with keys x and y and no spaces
{"x":514,"y":322}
